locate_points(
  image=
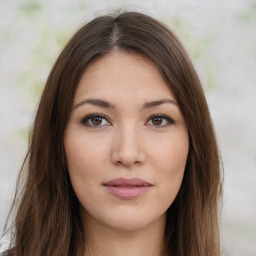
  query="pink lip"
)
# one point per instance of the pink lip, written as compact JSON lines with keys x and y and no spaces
{"x":127,"y":188}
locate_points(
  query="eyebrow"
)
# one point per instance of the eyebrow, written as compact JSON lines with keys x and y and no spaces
{"x":95,"y":102}
{"x":105,"y":104}
{"x":155,"y":103}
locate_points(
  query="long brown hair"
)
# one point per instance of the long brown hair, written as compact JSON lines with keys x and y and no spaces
{"x":47,"y":221}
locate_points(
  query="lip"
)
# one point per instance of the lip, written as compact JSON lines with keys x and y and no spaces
{"x":127,"y":188}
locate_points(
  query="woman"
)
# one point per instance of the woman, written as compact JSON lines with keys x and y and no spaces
{"x":123,"y":157}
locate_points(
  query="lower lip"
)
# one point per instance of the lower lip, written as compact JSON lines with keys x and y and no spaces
{"x":127,"y":192}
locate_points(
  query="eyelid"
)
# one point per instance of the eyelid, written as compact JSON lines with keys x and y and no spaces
{"x":87,"y":117}
{"x":164,"y":116}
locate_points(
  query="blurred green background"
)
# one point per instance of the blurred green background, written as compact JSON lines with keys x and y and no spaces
{"x":220,"y":37}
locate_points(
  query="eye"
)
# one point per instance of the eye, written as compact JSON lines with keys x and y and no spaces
{"x":160,"y":120}
{"x":95,"y":120}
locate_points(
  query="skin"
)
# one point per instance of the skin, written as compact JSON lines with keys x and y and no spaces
{"x":127,"y":143}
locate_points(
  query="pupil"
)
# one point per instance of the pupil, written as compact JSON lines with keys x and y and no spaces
{"x":96,"y":120}
{"x":157,"y":120}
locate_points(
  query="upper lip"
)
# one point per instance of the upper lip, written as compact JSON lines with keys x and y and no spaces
{"x":127,"y":182}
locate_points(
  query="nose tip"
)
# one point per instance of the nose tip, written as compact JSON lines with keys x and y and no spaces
{"x":128,"y":149}
{"x":128,"y":159}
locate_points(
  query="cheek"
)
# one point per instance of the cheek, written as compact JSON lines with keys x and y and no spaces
{"x":84,"y":159}
{"x":82,"y":153}
{"x":171,"y":153}
{"x":170,"y":161}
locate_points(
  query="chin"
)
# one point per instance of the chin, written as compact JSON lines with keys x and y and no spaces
{"x":129,"y":220}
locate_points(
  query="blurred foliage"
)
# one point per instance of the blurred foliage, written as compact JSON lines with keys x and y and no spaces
{"x":247,"y":15}
{"x":82,"y":6}
{"x":22,"y":134}
{"x":33,"y":77}
{"x":210,"y":74}
{"x":50,"y":40}
{"x":30,"y":7}
{"x":196,"y":46}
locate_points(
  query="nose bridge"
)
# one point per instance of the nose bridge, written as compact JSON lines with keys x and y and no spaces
{"x":128,"y":148}
{"x":129,"y":137}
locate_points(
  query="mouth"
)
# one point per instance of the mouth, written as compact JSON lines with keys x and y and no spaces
{"x":127,"y":188}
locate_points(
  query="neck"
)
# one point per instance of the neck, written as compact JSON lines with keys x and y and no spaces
{"x":148,"y":241}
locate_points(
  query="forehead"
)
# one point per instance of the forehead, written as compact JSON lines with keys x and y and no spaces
{"x":120,"y":75}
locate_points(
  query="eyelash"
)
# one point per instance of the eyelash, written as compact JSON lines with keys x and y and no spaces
{"x":162,"y":116}
{"x":102,"y":116}
{"x":90,"y":116}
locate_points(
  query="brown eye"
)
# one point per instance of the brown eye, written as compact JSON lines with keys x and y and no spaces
{"x":96,"y":120}
{"x":157,"y":120}
{"x":160,"y":120}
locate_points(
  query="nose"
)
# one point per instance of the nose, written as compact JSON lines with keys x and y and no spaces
{"x":128,"y":149}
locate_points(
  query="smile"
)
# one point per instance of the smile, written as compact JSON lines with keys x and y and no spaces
{"x":127,"y":188}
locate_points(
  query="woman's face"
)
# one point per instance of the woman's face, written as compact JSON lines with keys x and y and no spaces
{"x":126,"y":143}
